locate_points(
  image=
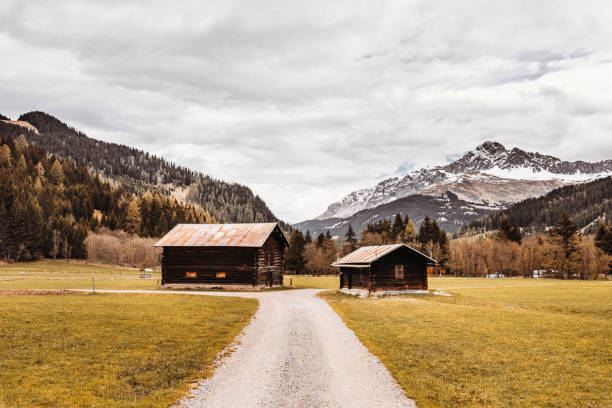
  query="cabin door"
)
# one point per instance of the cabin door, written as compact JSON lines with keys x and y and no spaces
{"x":349,"y":283}
{"x":270,"y":278}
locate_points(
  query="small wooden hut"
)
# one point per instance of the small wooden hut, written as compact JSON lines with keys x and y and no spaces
{"x":223,"y":255}
{"x":384,"y":268}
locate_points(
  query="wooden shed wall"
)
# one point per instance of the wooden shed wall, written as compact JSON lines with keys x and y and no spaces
{"x":415,"y":271}
{"x":237,"y":263}
{"x":359,"y":278}
{"x":270,"y":262}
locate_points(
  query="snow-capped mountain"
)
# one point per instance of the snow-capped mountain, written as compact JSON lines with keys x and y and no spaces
{"x":490,"y":175}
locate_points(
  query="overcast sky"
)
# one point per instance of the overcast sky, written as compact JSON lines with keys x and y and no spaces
{"x":306,"y":101}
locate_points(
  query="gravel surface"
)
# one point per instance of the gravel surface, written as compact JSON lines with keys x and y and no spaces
{"x":296,"y":352}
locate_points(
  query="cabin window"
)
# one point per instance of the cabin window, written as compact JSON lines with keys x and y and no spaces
{"x":399,"y":271}
{"x":220,"y":275}
{"x":191,"y":274}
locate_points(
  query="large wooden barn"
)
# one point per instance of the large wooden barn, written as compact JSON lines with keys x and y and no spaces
{"x":223,"y":255}
{"x":384,"y":268}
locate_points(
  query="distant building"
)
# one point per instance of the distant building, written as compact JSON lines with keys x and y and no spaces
{"x":223,"y":255}
{"x":384,"y":268}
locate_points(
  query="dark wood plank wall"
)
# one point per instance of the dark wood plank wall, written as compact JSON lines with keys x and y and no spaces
{"x":237,"y":263}
{"x":360,"y":278}
{"x":381,"y":275}
{"x":269,"y":261}
{"x":415,"y":271}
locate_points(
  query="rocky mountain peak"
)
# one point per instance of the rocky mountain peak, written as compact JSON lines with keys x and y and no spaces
{"x":489,"y":173}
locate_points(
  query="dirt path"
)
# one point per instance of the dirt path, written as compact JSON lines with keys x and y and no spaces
{"x":296,"y":352}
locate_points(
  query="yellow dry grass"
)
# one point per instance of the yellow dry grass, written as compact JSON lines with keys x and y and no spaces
{"x":311,"y":282}
{"x":111,"y":350}
{"x":50,"y":274}
{"x":491,"y":345}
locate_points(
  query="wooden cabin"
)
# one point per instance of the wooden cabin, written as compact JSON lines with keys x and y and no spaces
{"x":223,"y":255}
{"x":384,"y":268}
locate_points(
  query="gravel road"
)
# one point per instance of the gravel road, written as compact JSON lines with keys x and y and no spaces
{"x":296,"y":352}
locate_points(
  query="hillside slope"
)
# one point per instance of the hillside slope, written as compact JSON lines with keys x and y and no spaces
{"x":586,"y":204}
{"x":139,"y":171}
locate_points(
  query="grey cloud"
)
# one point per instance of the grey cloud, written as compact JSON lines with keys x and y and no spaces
{"x":305,"y":102}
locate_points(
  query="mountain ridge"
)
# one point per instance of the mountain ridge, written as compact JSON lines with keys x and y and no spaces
{"x":140,"y":171}
{"x":488,"y":166}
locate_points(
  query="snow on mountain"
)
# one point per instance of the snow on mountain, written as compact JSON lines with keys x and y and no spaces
{"x":490,"y":174}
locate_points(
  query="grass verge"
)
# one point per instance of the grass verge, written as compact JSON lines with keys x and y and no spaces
{"x":493,"y":346}
{"x":311,"y":282}
{"x":111,"y":350}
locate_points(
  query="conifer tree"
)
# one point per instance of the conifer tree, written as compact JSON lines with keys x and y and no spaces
{"x":603,"y":238}
{"x":351,"y":238}
{"x":567,"y":231}
{"x":398,"y":227}
{"x":308,"y":237}
{"x":295,"y":260}
{"x":56,"y":174}
{"x":320,"y":240}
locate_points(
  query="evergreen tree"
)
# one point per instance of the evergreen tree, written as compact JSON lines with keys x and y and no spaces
{"x":398,"y":227}
{"x":308,"y":237}
{"x":351,"y":238}
{"x":320,"y":240}
{"x":294,"y":259}
{"x":328,"y":235}
{"x":567,"y":231}
{"x":603,"y":238}
{"x":509,"y":232}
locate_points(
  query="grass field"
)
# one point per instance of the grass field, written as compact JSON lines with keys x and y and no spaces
{"x":49,"y":274}
{"x":312,"y":282}
{"x":111,"y":350}
{"x":491,"y":345}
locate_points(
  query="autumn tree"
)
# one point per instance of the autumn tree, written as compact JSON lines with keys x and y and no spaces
{"x":56,"y":174}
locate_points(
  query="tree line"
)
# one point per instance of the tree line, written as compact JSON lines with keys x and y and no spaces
{"x":561,"y":252}
{"x":314,"y":256}
{"x":48,"y":204}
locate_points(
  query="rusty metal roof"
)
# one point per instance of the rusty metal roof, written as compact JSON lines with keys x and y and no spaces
{"x":219,"y":235}
{"x":366,"y":255}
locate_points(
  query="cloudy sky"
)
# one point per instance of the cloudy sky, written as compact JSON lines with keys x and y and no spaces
{"x":306,"y":101}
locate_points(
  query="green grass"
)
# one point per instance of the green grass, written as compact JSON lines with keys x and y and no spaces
{"x":111,"y":350}
{"x":490,"y":345}
{"x":311,"y":282}
{"x":49,"y":274}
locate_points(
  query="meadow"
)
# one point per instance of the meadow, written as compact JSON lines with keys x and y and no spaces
{"x":494,"y":343}
{"x":56,"y":274}
{"x":311,"y":282}
{"x":84,"y":350}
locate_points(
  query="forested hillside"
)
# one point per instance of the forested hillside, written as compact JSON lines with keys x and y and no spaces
{"x":584,"y":203}
{"x":48,"y":205}
{"x":139,"y":171}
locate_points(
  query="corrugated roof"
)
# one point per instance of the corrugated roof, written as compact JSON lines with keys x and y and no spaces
{"x":218,"y":235}
{"x":368,"y":254}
